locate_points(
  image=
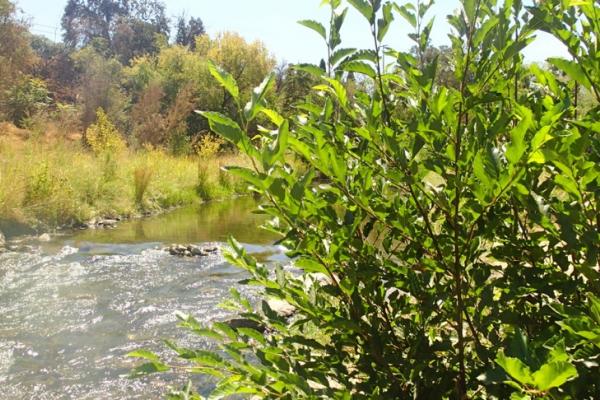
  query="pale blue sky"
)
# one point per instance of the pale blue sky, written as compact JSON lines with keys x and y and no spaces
{"x":274,"y":22}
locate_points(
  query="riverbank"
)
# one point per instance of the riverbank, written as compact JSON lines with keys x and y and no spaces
{"x":53,"y":184}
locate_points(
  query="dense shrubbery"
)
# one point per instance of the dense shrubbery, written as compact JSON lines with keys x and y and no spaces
{"x":447,"y":230}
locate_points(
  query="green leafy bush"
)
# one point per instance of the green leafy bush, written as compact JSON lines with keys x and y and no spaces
{"x":446,"y":231}
{"x":26,"y":98}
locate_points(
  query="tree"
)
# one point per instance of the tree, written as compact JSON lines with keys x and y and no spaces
{"x":247,"y":62}
{"x":99,"y":86}
{"x":16,"y":56}
{"x":130,"y":28}
{"x":187,"y":32}
{"x":55,"y":66}
{"x":24,"y":99}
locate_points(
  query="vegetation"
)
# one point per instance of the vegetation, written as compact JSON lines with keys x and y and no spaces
{"x":116,"y":83}
{"x":446,"y":231}
{"x":56,"y":182}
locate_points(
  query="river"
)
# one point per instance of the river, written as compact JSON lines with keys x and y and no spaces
{"x":73,"y":307}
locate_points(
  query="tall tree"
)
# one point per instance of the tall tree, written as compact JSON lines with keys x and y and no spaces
{"x":130,"y":28}
{"x":188,"y":31}
{"x":16,"y":56}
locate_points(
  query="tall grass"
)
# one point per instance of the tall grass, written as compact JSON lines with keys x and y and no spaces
{"x":141,"y":179}
{"x":58,"y":183}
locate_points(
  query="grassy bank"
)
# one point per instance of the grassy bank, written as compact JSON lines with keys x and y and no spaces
{"x":56,"y":183}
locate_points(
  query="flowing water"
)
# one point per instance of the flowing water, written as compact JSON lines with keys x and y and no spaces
{"x":72,"y":308}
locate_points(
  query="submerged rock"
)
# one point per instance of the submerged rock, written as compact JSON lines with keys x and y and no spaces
{"x":190,"y":250}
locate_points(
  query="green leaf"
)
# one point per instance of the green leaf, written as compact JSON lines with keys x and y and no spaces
{"x":253,"y":334}
{"x":145,"y":354}
{"x":315,"y":26}
{"x":361,"y":68}
{"x":230,"y":130}
{"x":225,"y":79}
{"x":364,"y":8}
{"x":339,"y":54}
{"x":573,"y":70}
{"x":517,"y":147}
{"x":309,"y":68}
{"x":553,"y":375}
{"x":149,"y":368}
{"x":258,"y":95}
{"x":383,"y":24}
{"x":409,"y":16}
{"x":515,"y":368}
{"x":309,"y":265}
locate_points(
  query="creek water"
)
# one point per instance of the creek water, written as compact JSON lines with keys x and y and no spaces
{"x":72,"y":308}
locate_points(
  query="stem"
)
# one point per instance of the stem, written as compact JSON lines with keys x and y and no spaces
{"x":458,"y":269}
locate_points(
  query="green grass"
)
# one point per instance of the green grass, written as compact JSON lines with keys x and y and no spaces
{"x":60,"y":183}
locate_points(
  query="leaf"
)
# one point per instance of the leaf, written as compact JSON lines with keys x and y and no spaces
{"x":383,"y":24}
{"x":339,"y":90}
{"x":517,"y":147}
{"x":272,"y":154}
{"x":309,"y":68}
{"x":364,"y":8}
{"x":225,"y":79}
{"x":253,"y":334}
{"x":573,"y":70}
{"x":230,"y":130}
{"x":361,"y":68}
{"x":409,"y":16}
{"x":145,"y":354}
{"x":258,"y":95}
{"x":309,"y":265}
{"x":554,"y":374}
{"x":340,"y":54}
{"x":515,"y":368}
{"x":149,"y":368}
{"x":315,"y":26}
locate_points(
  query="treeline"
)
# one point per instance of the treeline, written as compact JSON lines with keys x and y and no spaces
{"x":127,"y":59}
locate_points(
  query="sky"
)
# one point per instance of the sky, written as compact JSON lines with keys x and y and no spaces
{"x":275,"y":23}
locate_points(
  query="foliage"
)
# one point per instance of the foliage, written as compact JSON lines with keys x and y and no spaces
{"x":16,"y":56}
{"x":103,"y":136}
{"x":26,"y":98}
{"x":437,"y":219}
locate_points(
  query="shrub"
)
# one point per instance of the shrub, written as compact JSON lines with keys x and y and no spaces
{"x":204,"y":186}
{"x":25,"y":99}
{"x":142,"y":177}
{"x":208,"y":146}
{"x":444,"y":237}
{"x":103,"y":136}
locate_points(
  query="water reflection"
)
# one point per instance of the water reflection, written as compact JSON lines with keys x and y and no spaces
{"x":209,"y":222}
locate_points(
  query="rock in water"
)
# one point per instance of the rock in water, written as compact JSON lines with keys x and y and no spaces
{"x":190,"y":250}
{"x":2,"y":240}
{"x":282,"y":308}
{"x":44,"y":237}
